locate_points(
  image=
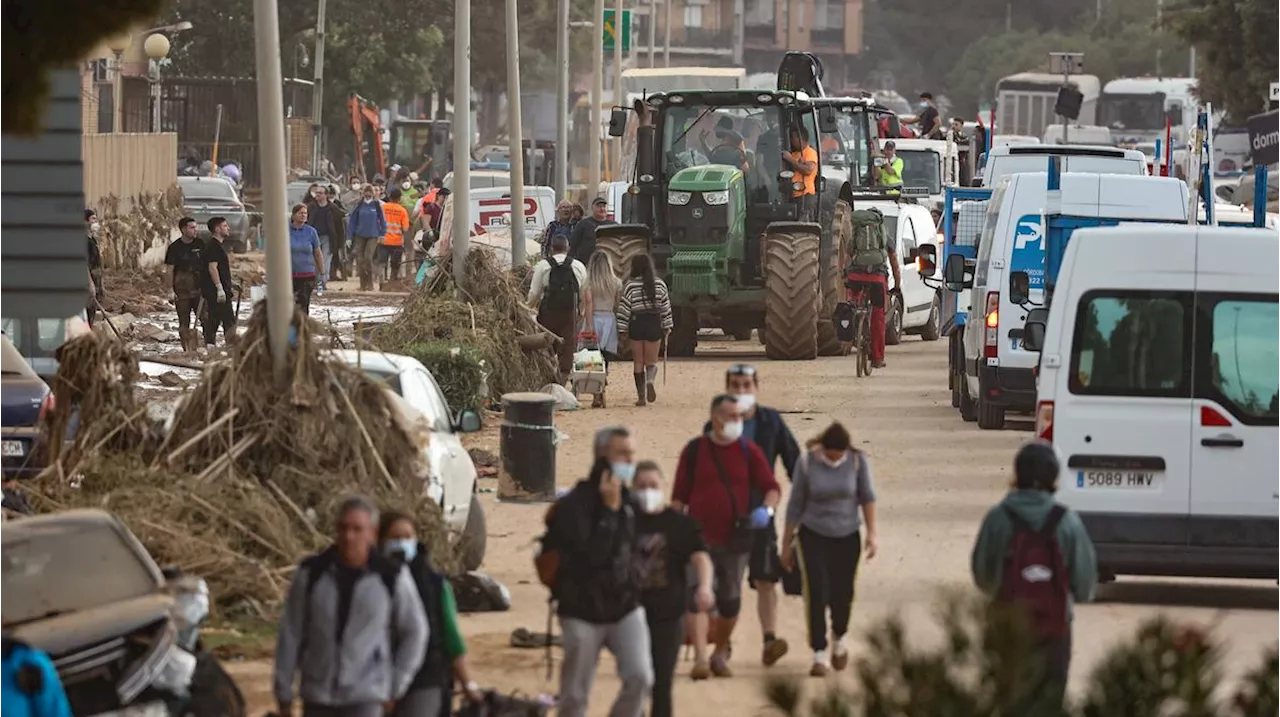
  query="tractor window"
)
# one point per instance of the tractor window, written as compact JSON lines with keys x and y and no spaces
{"x":690,"y":133}
{"x":855,"y":132}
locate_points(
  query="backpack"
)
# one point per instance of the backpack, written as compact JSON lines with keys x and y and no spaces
{"x":1035,"y":574}
{"x":867,"y":245}
{"x":547,"y":558}
{"x":562,"y":286}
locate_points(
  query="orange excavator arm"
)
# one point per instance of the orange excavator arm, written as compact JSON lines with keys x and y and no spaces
{"x":364,"y":111}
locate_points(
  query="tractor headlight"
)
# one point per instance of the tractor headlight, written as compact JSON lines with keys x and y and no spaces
{"x":678,"y":198}
{"x":715,"y":199}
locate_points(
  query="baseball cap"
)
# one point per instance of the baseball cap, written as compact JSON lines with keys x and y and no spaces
{"x":599,"y":202}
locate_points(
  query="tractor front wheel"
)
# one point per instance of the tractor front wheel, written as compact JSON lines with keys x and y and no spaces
{"x":792,"y":303}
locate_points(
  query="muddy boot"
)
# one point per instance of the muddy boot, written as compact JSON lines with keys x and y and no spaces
{"x":650,"y":376}
{"x":640,"y":389}
{"x":184,"y":338}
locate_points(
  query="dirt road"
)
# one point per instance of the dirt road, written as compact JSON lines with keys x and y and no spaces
{"x":935,"y":477}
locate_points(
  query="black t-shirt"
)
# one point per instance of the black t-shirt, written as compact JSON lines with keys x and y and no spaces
{"x":95,"y":253}
{"x":663,"y":545}
{"x":213,"y":251}
{"x":928,"y":119}
{"x":319,"y":218}
{"x":183,"y":256}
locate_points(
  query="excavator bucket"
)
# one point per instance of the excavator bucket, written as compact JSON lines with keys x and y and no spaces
{"x":801,"y":72}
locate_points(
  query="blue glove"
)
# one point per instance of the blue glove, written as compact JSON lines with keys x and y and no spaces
{"x":760,"y":517}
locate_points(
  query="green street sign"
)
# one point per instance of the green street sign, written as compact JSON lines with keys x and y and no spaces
{"x":610,"y":30}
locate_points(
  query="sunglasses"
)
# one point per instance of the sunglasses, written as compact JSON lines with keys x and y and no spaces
{"x":741,"y":369}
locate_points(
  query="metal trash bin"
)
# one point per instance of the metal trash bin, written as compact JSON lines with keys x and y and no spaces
{"x":527,"y":448}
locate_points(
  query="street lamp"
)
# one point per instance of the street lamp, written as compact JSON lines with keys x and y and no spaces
{"x":157,"y":48}
{"x":118,"y":45}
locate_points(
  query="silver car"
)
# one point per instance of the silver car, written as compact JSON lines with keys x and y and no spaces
{"x":204,"y":198}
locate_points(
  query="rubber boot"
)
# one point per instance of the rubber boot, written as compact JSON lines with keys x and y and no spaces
{"x":640,"y":389}
{"x":650,"y":376}
{"x":184,"y":338}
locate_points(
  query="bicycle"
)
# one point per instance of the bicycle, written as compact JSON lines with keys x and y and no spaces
{"x":860,"y":300}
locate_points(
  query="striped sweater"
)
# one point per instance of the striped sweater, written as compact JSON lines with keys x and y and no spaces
{"x":632,"y":301}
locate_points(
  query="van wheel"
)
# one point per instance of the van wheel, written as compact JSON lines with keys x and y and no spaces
{"x":893,"y":321}
{"x":475,"y":536}
{"x":968,"y":411}
{"x":932,"y":329}
{"x":990,"y":417}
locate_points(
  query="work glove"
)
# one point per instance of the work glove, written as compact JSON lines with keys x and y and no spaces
{"x":760,"y":517}
{"x":222,"y":295}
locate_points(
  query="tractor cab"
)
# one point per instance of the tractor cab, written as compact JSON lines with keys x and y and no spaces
{"x":414,"y":142}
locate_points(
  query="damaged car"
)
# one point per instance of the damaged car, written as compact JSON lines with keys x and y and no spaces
{"x":124,"y":635}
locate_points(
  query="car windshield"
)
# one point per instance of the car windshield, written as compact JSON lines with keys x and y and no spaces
{"x":689,"y":136}
{"x":49,"y":335}
{"x":390,"y":379}
{"x":59,"y":568}
{"x":920,"y":168}
{"x":1132,"y":112}
{"x":194,"y":188}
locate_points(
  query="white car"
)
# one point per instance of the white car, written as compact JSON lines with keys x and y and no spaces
{"x":452,"y":482}
{"x":915,"y":308}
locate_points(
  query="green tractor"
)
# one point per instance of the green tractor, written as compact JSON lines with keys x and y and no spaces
{"x":726,"y":237}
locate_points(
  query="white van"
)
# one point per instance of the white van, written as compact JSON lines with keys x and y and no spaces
{"x":998,"y":370}
{"x":1158,"y":384}
{"x":1012,"y":159}
{"x":915,"y":308}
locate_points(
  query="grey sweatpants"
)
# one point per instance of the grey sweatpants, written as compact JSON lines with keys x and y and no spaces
{"x":368,"y":709}
{"x":422,"y":702}
{"x":628,"y":640}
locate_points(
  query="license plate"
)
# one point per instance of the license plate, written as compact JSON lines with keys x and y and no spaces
{"x":13,"y":448}
{"x":1119,"y":480}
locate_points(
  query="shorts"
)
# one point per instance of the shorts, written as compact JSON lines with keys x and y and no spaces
{"x":645,"y":327}
{"x":727,"y":572}
{"x":764,"y":564}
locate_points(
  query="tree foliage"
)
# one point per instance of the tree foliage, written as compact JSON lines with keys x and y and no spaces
{"x":1236,"y":43}
{"x":42,"y":36}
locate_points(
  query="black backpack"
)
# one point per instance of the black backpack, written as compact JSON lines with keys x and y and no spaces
{"x":562,"y":286}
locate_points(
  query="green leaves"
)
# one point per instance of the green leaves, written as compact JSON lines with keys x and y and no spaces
{"x":1236,"y":43}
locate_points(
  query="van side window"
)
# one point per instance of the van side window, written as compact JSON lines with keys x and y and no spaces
{"x":1132,"y":343}
{"x":908,"y":241}
{"x":986,"y":243}
{"x":1242,"y":368}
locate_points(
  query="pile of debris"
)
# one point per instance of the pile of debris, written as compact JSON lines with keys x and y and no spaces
{"x":240,"y":483}
{"x":490,"y":315}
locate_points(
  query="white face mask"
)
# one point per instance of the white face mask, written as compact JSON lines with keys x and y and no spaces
{"x":746,"y":401}
{"x":94,"y":227}
{"x":836,"y":463}
{"x":405,"y":186}
{"x":651,"y":500}
{"x":733,"y":430}
{"x":368,"y":200}
{"x":355,"y":186}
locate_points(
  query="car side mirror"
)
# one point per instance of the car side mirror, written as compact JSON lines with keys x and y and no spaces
{"x":468,"y":421}
{"x":1033,"y":329}
{"x":926,"y":259}
{"x":954,"y":273}
{"x":1019,"y":287}
{"x":827,"y":120}
{"x":617,"y":122}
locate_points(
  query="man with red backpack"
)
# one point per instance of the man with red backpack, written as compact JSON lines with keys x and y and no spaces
{"x":1035,"y":554}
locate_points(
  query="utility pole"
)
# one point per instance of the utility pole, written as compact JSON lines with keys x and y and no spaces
{"x":317,"y":93}
{"x":739,"y":28}
{"x":562,"y":100}
{"x":666,"y":33}
{"x":266,"y":23}
{"x":515,"y":133}
{"x":461,"y":196}
{"x":597,"y":96}
{"x":1159,"y":36}
{"x":620,"y":30}
{"x":653,"y":32}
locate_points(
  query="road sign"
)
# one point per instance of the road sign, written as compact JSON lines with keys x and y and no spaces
{"x":1264,"y":138}
{"x":1068,"y":63}
{"x":1275,"y":92}
{"x":44,"y":275}
{"x":610,"y":33}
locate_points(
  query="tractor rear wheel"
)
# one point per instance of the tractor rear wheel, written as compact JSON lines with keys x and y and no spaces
{"x":791,"y":303}
{"x":832,"y":285}
{"x":621,"y":249}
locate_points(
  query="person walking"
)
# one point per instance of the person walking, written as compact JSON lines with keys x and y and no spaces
{"x":365,"y":225}
{"x":29,"y":682}
{"x":764,"y":427}
{"x":305,"y":256}
{"x":94,"y":256}
{"x":645,"y":319}
{"x":391,"y":249}
{"x":353,"y":627}
{"x":217,"y":286}
{"x":184,"y":264}
{"x":831,"y":483}
{"x":326,"y":218}
{"x":445,"y":660}
{"x":561,"y":224}
{"x":669,"y":546}
{"x":1034,"y":553}
{"x":600,"y":304}
{"x":715,"y":477}
{"x":556,"y":291}
{"x":596,"y":589}
{"x":582,"y":241}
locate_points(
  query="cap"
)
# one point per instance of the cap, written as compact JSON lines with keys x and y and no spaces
{"x":599,"y":202}
{"x":890,"y":145}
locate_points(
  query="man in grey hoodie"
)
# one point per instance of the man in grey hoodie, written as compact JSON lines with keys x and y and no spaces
{"x":353,"y":625}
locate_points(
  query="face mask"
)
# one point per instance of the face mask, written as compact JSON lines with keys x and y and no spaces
{"x":746,"y":401}
{"x":406,"y":186}
{"x":923,"y":105}
{"x":408,"y":547}
{"x":368,"y":200}
{"x":355,"y":186}
{"x":733,"y":430}
{"x":94,"y":227}
{"x":651,"y":500}
{"x":623,"y":472}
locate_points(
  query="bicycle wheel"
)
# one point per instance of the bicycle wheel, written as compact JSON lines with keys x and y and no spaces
{"x":864,"y":343}
{"x":856,"y":344}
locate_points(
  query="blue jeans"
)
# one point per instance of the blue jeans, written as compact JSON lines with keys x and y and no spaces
{"x":322,"y":274}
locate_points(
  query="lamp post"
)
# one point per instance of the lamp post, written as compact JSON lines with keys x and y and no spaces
{"x":118,"y":45}
{"x":157,"y":48}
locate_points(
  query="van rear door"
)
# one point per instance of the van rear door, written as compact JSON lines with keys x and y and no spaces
{"x":1124,"y":419}
{"x":1236,"y":439}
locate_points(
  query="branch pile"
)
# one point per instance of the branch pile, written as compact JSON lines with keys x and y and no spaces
{"x":490,"y":316}
{"x":243,"y":482}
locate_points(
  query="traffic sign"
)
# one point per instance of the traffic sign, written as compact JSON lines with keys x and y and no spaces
{"x":1068,"y":63}
{"x":610,"y":30}
{"x":1275,"y":92}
